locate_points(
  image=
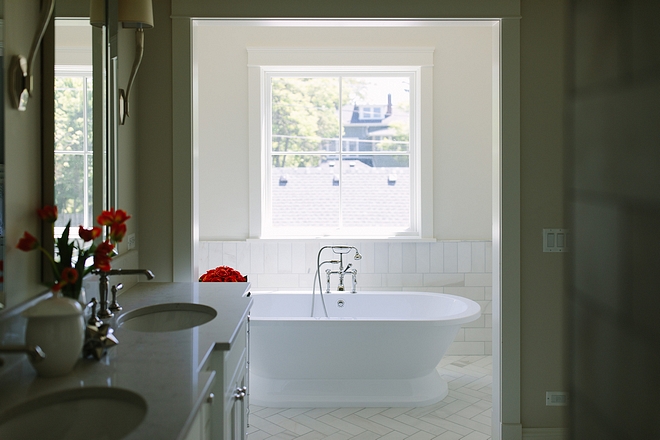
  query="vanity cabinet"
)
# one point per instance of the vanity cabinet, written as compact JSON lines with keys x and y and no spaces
{"x":201,"y":425}
{"x":228,"y":418}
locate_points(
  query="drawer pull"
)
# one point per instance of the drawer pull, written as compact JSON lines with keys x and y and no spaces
{"x":239,"y":394}
{"x":210,"y":398}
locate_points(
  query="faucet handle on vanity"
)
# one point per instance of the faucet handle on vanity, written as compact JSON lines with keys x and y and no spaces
{"x":94,"y":319}
{"x":114,"y":305}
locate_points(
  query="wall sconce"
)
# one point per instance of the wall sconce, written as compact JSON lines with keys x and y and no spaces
{"x":133,"y":14}
{"x":21,"y":78}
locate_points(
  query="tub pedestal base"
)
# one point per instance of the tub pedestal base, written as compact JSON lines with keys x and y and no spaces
{"x":320,"y":393}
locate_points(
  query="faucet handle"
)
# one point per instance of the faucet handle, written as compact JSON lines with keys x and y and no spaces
{"x":114,"y":306}
{"x":94,"y":319}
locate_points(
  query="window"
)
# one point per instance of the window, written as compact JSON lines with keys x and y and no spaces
{"x":73,"y":148}
{"x":367,"y":113}
{"x":336,"y":148}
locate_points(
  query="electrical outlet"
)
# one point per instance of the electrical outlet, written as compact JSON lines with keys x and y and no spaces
{"x":130,"y":241}
{"x":556,"y":398}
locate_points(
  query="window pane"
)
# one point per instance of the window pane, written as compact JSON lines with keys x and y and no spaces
{"x":378,"y":195}
{"x":305,"y":114}
{"x":69,"y":188}
{"x":69,"y":114}
{"x":305,"y":191}
{"x":376,"y":110}
{"x":90,"y":116}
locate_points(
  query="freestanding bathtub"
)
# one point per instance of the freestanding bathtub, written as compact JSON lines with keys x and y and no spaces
{"x":375,"y":348}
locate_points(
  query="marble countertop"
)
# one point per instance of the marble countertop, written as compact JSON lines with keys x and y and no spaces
{"x":164,"y":368}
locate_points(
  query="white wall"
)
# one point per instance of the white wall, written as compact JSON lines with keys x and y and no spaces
{"x":462,"y":118}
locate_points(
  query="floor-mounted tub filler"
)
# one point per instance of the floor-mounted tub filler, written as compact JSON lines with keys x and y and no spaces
{"x":373,"y":349}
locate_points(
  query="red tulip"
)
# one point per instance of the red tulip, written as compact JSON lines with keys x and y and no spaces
{"x":28,"y":242}
{"x":89,"y":234}
{"x":48,"y":213}
{"x":102,"y":255}
{"x":69,"y":275}
{"x":117,"y":232}
{"x":112,"y":217}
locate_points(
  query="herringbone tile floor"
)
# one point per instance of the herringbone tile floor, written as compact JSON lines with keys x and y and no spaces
{"x":464,"y":414}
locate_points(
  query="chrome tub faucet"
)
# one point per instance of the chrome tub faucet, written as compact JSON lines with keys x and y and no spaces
{"x":341,"y":250}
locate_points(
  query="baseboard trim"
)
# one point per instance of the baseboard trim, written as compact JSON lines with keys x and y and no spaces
{"x":544,"y":433}
{"x":510,"y":431}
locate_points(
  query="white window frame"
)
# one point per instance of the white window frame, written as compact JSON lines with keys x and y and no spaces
{"x":264,"y":63}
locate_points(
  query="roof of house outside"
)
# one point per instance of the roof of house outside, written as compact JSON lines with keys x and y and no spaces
{"x":372,"y":196}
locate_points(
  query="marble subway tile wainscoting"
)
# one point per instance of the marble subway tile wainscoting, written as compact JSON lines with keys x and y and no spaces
{"x":462,"y":268}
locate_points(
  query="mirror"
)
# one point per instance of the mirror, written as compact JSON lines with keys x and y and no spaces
{"x":85,"y":113}
{"x":2,"y":157}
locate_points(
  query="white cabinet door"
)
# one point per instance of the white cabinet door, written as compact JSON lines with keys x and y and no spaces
{"x":236,"y":416}
{"x":229,"y":412}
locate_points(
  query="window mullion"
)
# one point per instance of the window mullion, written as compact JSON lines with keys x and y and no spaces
{"x":341,"y":150}
{"x":86,"y":221}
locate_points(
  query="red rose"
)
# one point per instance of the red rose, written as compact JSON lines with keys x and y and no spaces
{"x":222,"y":274}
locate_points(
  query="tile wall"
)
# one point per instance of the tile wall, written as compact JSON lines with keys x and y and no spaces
{"x":456,"y":267}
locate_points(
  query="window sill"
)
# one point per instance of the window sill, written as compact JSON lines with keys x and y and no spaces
{"x":402,"y":239}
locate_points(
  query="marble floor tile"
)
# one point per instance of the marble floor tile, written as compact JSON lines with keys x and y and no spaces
{"x":465,"y":414}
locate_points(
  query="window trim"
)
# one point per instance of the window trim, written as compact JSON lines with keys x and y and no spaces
{"x":415,"y":61}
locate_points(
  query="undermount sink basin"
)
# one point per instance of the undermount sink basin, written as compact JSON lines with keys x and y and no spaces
{"x":167,"y":317}
{"x":75,"y":414}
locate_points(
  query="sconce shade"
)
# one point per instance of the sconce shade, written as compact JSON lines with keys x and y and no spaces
{"x":136,"y":13}
{"x":132,"y":13}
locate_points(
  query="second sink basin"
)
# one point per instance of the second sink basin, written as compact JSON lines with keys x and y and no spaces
{"x":167,"y":317}
{"x":75,"y":415}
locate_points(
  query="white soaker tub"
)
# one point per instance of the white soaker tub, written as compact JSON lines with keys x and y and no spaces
{"x":375,"y":349}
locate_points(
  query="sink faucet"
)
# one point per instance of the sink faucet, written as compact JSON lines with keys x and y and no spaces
{"x":341,"y":250}
{"x":34,"y":352}
{"x":104,"y":311}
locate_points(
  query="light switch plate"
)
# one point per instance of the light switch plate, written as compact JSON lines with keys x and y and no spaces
{"x":556,"y":398}
{"x":130,"y":241}
{"x":556,"y":240}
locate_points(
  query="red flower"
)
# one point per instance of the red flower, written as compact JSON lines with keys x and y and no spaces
{"x":69,"y":275}
{"x":103,"y":255}
{"x":223,"y":274}
{"x":89,"y":234}
{"x":48,"y":213}
{"x":117,"y":232}
{"x":28,"y":242}
{"x":57,"y":286}
{"x":112,"y":217}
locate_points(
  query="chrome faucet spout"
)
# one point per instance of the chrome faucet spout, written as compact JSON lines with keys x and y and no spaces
{"x":146,"y":272}
{"x":104,"y":309}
